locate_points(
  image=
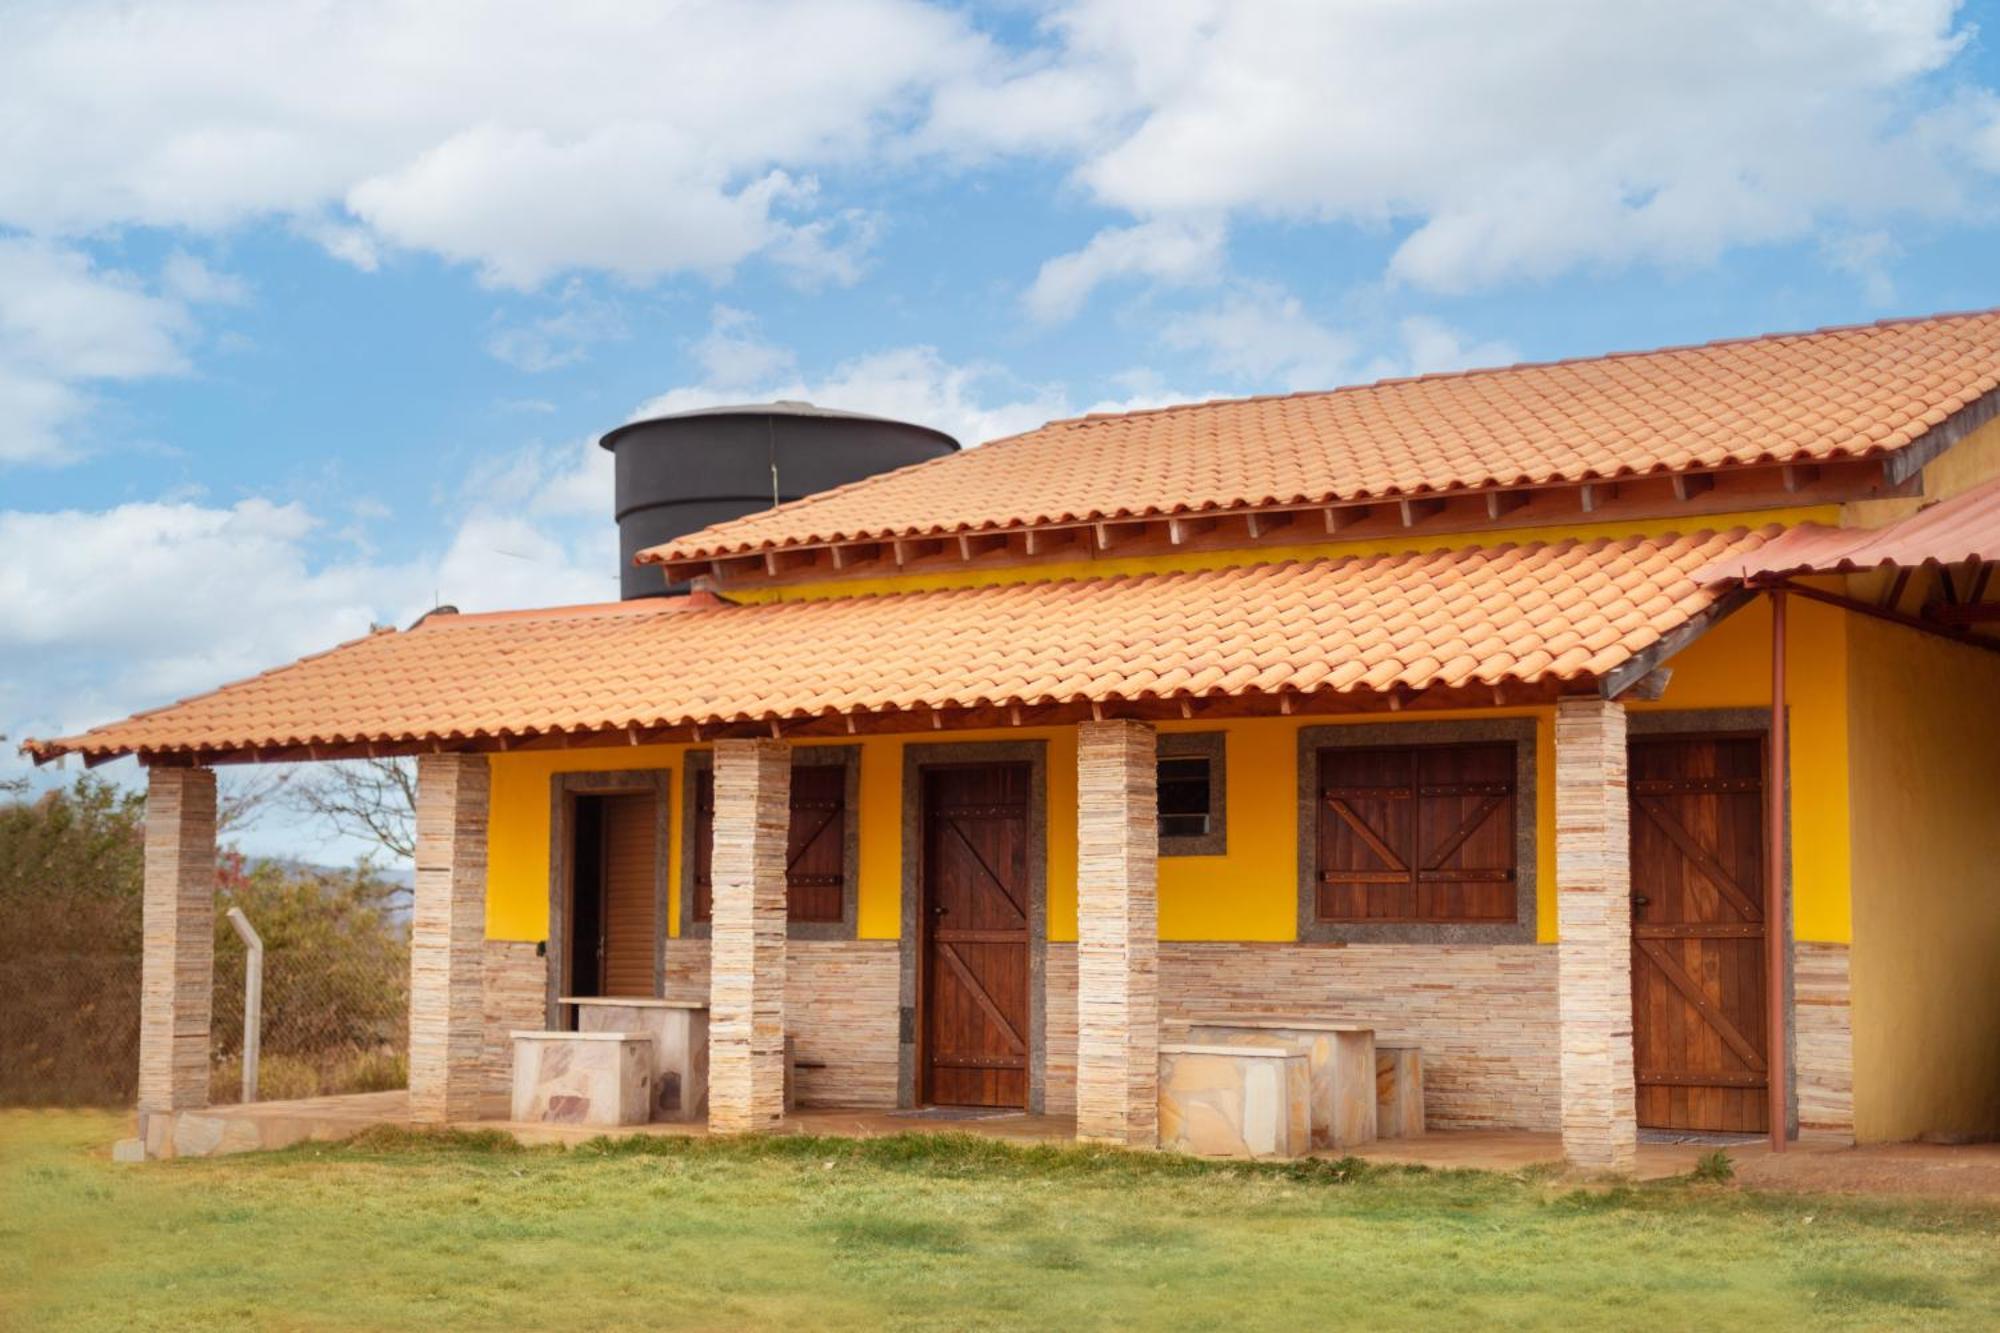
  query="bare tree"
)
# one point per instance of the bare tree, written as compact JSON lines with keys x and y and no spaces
{"x":371,"y":799}
{"x":244,"y":796}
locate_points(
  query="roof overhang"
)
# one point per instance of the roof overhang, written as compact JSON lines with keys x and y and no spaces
{"x":1479,"y":627}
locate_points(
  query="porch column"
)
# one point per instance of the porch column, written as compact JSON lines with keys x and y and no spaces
{"x":1594,"y":918}
{"x":447,"y":936}
{"x":746,"y":968}
{"x":178,"y":967}
{"x":1118,"y":937}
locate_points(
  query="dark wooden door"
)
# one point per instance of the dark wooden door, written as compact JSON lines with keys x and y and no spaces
{"x":1698,"y":1002}
{"x":975,"y":935}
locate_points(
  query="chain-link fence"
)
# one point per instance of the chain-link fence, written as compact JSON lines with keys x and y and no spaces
{"x":336,"y":964}
{"x":332,"y":1022}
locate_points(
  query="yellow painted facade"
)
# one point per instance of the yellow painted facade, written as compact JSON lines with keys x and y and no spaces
{"x":1250,"y":893}
{"x":1925,"y":963}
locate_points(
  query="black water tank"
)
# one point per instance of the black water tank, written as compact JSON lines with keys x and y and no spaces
{"x":682,"y":472}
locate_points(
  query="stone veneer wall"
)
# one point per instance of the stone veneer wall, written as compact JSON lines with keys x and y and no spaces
{"x":840,"y":1011}
{"x":514,"y":987}
{"x":1485,"y":1015}
{"x":1823,"y":1040}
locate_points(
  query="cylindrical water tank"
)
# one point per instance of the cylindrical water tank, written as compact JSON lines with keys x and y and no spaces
{"x":679,"y":473}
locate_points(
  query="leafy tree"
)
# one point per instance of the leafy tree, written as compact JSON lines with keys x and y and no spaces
{"x":71,"y":899}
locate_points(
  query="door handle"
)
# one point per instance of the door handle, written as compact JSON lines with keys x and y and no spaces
{"x":940,"y":911}
{"x":1640,"y":900}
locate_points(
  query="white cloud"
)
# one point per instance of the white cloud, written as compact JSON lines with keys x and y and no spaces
{"x":1430,"y":346}
{"x":1179,"y":252}
{"x":64,"y":324}
{"x":732,"y":353}
{"x":523,"y":138}
{"x":1264,"y":336}
{"x":563,"y":338}
{"x":190,"y":278}
{"x":1660,"y":131}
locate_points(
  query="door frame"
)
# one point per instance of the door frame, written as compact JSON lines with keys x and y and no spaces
{"x":918,"y":756}
{"x":564,"y":789}
{"x":1711,"y":723}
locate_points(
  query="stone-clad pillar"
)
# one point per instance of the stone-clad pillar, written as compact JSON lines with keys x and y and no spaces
{"x":746,"y":979}
{"x":448,"y":938}
{"x":178,"y":969}
{"x":1118,"y":937}
{"x":1594,"y":918}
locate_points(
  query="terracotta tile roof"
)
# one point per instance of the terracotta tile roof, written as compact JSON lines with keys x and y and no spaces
{"x":1964,"y":527}
{"x":1538,"y":614}
{"x":1782,"y":398}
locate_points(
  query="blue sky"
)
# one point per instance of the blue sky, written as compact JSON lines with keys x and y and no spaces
{"x":309,"y":313}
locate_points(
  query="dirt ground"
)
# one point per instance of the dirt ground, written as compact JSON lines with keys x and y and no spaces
{"x":1922,"y":1170}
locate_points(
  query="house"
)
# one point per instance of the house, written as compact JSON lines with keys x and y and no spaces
{"x":1623,"y":733}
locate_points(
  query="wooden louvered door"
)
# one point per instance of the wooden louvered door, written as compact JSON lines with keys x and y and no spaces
{"x":628,"y":882}
{"x":1698,"y":1001}
{"x":975,"y":928}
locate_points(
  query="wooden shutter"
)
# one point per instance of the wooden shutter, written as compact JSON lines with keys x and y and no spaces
{"x":703,"y":850}
{"x":630,"y":850}
{"x":1416,"y":834}
{"x":815,"y":852}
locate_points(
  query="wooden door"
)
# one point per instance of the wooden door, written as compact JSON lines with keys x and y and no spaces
{"x":629,"y":876}
{"x":974,"y":983}
{"x":1698,"y":1001}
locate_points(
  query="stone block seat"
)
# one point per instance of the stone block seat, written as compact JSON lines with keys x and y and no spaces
{"x":1236,"y":1100}
{"x":583,"y":1078}
{"x":1399,"y":1091}
{"x":1342,"y":1061}
{"x":679,"y":1032}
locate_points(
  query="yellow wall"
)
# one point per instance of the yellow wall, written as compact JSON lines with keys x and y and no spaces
{"x":1925,"y":726}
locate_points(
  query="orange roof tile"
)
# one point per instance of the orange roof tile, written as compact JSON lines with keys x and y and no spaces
{"x":1964,"y":527}
{"x":1535,"y":614}
{"x":1782,"y":398}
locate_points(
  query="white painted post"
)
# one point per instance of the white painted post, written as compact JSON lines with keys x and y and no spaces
{"x":253,"y":999}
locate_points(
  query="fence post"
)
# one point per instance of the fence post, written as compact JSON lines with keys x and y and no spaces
{"x":253,"y":999}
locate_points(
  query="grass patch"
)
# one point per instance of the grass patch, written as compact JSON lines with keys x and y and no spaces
{"x":457,"y":1230}
{"x":1714,"y":1168}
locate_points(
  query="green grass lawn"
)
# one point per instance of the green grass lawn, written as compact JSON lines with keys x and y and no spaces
{"x":930,"y":1232}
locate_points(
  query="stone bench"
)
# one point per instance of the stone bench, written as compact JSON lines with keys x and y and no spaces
{"x":679,"y":1029}
{"x":1235,"y":1100}
{"x":1399,"y":1091}
{"x":1342,"y":1061}
{"x":583,"y":1078}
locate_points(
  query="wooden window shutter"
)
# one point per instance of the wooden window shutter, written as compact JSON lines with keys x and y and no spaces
{"x":816,"y":849}
{"x":630,"y":842}
{"x":1416,"y":834}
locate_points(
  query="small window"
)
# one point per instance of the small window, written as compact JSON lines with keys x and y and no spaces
{"x":1191,"y":775}
{"x":1183,"y":797}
